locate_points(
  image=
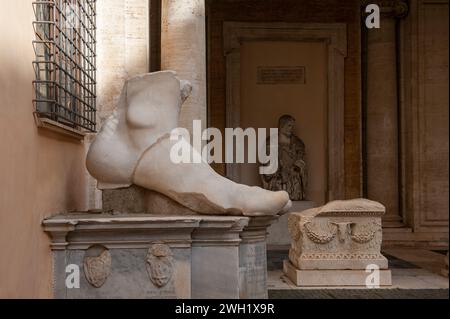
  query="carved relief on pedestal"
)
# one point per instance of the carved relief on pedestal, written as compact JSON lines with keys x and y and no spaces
{"x":97,"y":265}
{"x":159,"y":264}
{"x":358,"y":232}
{"x":364,"y":233}
{"x":320,"y":236}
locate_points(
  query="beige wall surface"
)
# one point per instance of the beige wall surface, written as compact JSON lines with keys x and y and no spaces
{"x":263,"y":104}
{"x":41,"y":173}
{"x":183,"y":49}
{"x":122,"y":49}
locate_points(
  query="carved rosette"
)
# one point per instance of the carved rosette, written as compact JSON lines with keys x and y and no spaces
{"x":159,"y":264}
{"x":97,"y":268}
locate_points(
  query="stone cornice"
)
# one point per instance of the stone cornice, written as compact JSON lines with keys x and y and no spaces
{"x":80,"y":231}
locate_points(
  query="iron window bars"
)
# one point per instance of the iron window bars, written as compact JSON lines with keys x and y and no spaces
{"x":65,"y":62}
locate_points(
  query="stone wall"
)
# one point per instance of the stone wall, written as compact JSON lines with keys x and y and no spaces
{"x":183,"y":50}
{"x":424,"y":124}
{"x":122,"y":52}
{"x":122,"y":48}
{"x":42,"y":172}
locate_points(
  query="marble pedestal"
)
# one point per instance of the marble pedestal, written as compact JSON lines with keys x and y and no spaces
{"x":337,"y":245}
{"x":148,"y":256}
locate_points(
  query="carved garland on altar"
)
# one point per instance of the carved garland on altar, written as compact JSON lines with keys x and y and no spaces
{"x":365,"y":234}
{"x":320,"y":237}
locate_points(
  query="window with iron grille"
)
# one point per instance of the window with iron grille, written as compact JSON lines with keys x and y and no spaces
{"x":64,"y":67}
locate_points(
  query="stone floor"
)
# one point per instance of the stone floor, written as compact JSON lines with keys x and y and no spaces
{"x":416,"y":273}
{"x":359,"y":294}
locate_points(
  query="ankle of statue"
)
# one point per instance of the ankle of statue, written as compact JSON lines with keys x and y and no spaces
{"x":158,"y":141}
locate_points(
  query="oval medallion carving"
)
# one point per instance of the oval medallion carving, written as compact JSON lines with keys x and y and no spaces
{"x":159,"y":264}
{"x":97,"y":265}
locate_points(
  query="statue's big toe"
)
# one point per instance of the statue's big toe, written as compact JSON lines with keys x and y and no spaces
{"x":263,"y":202}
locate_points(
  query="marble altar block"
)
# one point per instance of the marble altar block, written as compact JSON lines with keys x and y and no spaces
{"x":150,"y":256}
{"x":337,"y":244}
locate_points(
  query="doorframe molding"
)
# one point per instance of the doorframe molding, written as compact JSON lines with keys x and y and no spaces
{"x":334,"y":35}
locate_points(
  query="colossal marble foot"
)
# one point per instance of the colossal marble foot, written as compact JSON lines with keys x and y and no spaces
{"x":200,"y":188}
{"x":133,"y":147}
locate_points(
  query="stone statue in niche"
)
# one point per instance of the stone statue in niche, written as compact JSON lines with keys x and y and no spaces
{"x":291,"y":175}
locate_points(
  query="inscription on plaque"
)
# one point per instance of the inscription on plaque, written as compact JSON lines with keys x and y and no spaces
{"x":281,"y":75}
{"x":253,"y":270}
